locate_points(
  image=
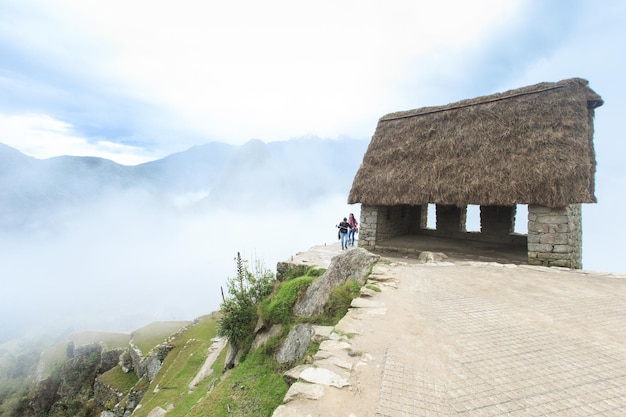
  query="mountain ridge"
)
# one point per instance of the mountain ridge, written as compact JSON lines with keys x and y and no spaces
{"x":286,"y":173}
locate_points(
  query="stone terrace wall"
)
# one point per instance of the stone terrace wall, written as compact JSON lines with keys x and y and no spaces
{"x":555,"y":236}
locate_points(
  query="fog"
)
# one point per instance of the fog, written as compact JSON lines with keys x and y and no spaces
{"x":129,"y":260}
{"x":88,"y":253}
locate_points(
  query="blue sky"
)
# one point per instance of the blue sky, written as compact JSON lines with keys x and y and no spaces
{"x":137,"y":80}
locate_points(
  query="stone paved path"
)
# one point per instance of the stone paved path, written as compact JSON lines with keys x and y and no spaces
{"x":478,"y":339}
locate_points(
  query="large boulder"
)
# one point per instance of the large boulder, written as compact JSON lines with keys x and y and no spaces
{"x":354,"y":264}
{"x":295,"y":345}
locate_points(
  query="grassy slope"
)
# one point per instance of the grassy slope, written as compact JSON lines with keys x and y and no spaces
{"x":171,"y":385}
{"x":155,"y":333}
{"x":118,"y":379}
{"x":255,"y":387}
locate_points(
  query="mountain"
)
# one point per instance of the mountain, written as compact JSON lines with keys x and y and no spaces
{"x":187,"y":171}
{"x":289,"y":173}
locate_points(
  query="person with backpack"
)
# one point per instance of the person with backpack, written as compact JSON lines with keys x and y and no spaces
{"x":344,"y":227}
{"x":354,"y":228}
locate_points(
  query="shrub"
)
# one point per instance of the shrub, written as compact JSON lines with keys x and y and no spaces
{"x":239,"y":309}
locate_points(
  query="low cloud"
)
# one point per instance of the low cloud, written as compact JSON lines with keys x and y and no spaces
{"x":129,"y":261}
{"x":42,"y":136}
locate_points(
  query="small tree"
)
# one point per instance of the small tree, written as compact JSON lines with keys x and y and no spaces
{"x":239,"y":308}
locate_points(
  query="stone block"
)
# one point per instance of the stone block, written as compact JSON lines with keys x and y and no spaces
{"x":548,"y":256}
{"x":566,"y":263}
{"x":553,"y":219}
{"x":562,"y":249}
{"x":536,"y":227}
{"x":560,"y":238}
{"x":539,"y":210}
{"x":539,"y":247}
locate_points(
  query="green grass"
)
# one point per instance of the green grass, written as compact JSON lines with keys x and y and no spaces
{"x":121,"y":381}
{"x":339,"y":302}
{"x":373,"y":287}
{"x":155,"y":333}
{"x":180,"y":367}
{"x":302,"y":270}
{"x":253,"y":388}
{"x":277,"y":308}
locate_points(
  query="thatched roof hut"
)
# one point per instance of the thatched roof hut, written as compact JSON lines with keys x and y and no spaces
{"x":531,"y":145}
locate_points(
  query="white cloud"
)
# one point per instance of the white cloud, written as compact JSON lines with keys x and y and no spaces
{"x":131,"y":260}
{"x":232,"y":71}
{"x":42,"y":136}
{"x":173,"y":75}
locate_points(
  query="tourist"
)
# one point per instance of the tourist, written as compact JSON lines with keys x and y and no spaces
{"x":354,"y":228}
{"x":344,"y":227}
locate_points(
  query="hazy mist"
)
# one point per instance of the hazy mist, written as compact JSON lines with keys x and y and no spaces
{"x":88,"y":244}
{"x":127,"y":261}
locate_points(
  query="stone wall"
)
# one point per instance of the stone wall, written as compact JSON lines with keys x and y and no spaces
{"x":367,"y":226}
{"x":555,"y":236}
{"x":385,"y":222}
{"x":105,"y":395}
{"x":450,"y":220}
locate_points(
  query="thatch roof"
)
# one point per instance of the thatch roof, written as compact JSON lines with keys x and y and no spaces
{"x":533,"y":145}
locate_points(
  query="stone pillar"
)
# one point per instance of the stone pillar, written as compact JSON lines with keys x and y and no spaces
{"x":367,"y":226}
{"x":450,"y":220}
{"x":497,"y":222}
{"x":555,"y":236}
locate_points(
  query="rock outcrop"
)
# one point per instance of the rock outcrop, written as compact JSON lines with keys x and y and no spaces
{"x":354,"y":264}
{"x":295,"y":345}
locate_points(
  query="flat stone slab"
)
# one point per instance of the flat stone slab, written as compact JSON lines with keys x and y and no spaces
{"x":303,"y":390}
{"x":333,"y":360}
{"x":293,"y":374}
{"x":334,"y":345}
{"x":365,"y":303}
{"x":321,"y":333}
{"x":323,"y":376}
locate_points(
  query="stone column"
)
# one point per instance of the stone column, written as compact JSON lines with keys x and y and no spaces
{"x":555,"y":236}
{"x":450,"y":220}
{"x":367,"y":226}
{"x":497,"y":222}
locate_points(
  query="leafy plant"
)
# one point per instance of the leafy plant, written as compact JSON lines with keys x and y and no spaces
{"x":239,"y":309}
